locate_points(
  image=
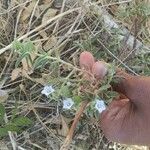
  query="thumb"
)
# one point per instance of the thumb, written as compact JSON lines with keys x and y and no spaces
{"x":135,"y":88}
{"x":114,"y":108}
{"x":112,"y":119}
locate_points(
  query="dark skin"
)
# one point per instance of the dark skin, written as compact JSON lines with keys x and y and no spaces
{"x":127,"y":120}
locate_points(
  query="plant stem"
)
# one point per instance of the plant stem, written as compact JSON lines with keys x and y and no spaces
{"x":69,"y":136}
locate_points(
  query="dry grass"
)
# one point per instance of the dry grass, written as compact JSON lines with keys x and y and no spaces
{"x":63,"y":29}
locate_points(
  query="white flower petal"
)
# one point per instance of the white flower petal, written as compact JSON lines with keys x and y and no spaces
{"x":47,"y":90}
{"x":100,"y":105}
{"x":67,"y":103}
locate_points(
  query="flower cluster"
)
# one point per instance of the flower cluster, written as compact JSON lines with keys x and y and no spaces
{"x":68,"y":102}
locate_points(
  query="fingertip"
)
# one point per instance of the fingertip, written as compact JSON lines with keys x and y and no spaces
{"x":86,"y":60}
{"x":99,"y":69}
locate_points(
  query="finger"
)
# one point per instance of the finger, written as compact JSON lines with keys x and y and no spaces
{"x":120,"y":83}
{"x":112,"y":118}
{"x":99,"y":69}
{"x":86,"y":61}
{"x":114,"y":108}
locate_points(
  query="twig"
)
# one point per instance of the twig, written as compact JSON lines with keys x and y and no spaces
{"x":15,"y":7}
{"x":43,"y":124}
{"x":61,"y":61}
{"x":39,"y":28}
{"x":32,"y":15}
{"x":61,"y":11}
{"x":42,"y":12}
{"x":21,"y":148}
{"x":115,"y":3}
{"x":69,"y":136}
{"x":17,"y":22}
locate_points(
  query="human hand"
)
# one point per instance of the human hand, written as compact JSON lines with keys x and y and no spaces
{"x":127,"y":120}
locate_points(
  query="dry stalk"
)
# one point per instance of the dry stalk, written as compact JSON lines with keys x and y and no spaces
{"x":69,"y":136}
{"x":39,"y":28}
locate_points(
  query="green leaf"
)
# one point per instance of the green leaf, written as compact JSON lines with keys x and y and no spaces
{"x":12,"y":127}
{"x":23,"y":55}
{"x":3,"y":132}
{"x":77,"y":100}
{"x":112,"y":94}
{"x":2,"y":111}
{"x":18,"y":46}
{"x":40,"y":61}
{"x":22,"y":121}
{"x":23,"y":47}
{"x":29,"y":60}
{"x":104,"y":87}
{"x":65,"y":91}
{"x":29,"y":46}
{"x":8,"y":127}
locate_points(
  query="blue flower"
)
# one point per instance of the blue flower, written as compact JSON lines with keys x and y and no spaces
{"x":67,"y":103}
{"x":100,"y":105}
{"x":47,"y":90}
